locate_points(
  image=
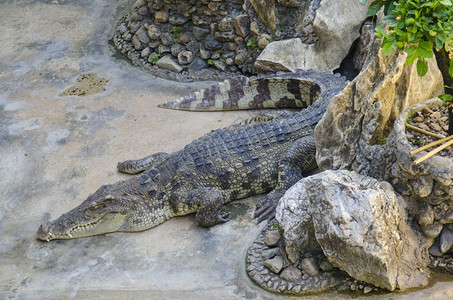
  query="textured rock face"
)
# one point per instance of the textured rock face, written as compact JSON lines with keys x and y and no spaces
{"x":428,"y":186}
{"x":360,"y":224}
{"x":337,"y":25}
{"x":358,"y":120}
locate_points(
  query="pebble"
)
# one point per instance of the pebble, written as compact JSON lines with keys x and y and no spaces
{"x":272,"y":238}
{"x":446,"y":240}
{"x":326,"y":266}
{"x":274,"y":264}
{"x":309,"y":267}
{"x":291,"y":273}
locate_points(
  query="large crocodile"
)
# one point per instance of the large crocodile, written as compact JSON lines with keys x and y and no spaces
{"x":224,"y":165}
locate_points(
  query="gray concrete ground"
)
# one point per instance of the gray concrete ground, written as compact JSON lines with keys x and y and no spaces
{"x":55,"y":150}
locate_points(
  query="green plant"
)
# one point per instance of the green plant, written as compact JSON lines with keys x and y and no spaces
{"x":251,"y":44}
{"x":383,"y":141}
{"x":154,"y":58}
{"x":210,"y":62}
{"x":419,"y":27}
{"x":134,"y":20}
{"x":176,"y":31}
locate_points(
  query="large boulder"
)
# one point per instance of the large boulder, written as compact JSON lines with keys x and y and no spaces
{"x":359,"y":120}
{"x":337,"y":25}
{"x":361,"y":225}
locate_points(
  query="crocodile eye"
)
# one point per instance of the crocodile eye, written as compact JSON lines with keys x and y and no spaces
{"x":97,"y":206}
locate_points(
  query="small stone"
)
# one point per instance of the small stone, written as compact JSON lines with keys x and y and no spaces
{"x":433,"y":230}
{"x":154,"y":32}
{"x":197,"y":64}
{"x":161,"y":16}
{"x":143,"y":10}
{"x":215,"y":55}
{"x":168,"y":63}
{"x":309,"y":266}
{"x":291,"y":274}
{"x":445,"y":240}
{"x":426,"y":216}
{"x":213,"y":6}
{"x":232,"y":46}
{"x":240,"y":58}
{"x":436,"y":127}
{"x":229,"y":61}
{"x":263,"y":41}
{"x":427,"y":110}
{"x":200,"y":33}
{"x":177,"y":19}
{"x":136,"y":43}
{"x":145,"y":52}
{"x":326,"y":266}
{"x":436,"y":115}
{"x":185,"y":57}
{"x":254,"y":29}
{"x":186,"y":37}
{"x":193,"y":46}
{"x":268,"y":254}
{"x":272,"y":238}
{"x":242,"y":25}
{"x":418,"y":119}
{"x":142,"y":35}
{"x":423,"y":126}
{"x":154,"y":44}
{"x":434,"y":250}
{"x":166,"y":38}
{"x":123,"y":28}
{"x":226,"y":24}
{"x":204,"y":54}
{"x":177,"y":48}
{"x":163,"y":49}
{"x":212,"y":44}
{"x":227,"y":36}
{"x":219,"y":65}
{"x":275,"y":264}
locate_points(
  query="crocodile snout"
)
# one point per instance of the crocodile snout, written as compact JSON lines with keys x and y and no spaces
{"x":44,"y":232}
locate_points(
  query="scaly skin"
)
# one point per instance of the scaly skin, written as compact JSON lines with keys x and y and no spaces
{"x":224,"y":165}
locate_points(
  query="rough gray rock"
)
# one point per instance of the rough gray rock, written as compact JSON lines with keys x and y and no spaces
{"x":361,"y":225}
{"x":428,"y":186}
{"x":272,"y":238}
{"x":291,"y":274}
{"x":185,"y":57}
{"x":358,"y":120}
{"x":168,"y":63}
{"x":265,"y":9}
{"x":274,"y":264}
{"x":309,"y":267}
{"x":337,"y":24}
{"x":242,"y":25}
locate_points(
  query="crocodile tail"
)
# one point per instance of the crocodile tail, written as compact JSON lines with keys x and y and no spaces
{"x":281,"y":90}
{"x":225,"y":95}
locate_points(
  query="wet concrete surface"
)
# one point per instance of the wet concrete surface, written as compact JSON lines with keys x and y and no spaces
{"x":55,"y":150}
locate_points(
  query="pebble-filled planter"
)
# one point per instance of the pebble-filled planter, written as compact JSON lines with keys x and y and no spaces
{"x":189,"y":40}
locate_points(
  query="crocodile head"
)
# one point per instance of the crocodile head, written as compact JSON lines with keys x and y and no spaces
{"x":109,"y":209}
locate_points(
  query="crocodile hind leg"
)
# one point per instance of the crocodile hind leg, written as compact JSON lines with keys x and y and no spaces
{"x":206,"y":201}
{"x":298,"y":158}
{"x":140,"y":165}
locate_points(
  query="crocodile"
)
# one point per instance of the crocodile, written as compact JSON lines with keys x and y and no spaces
{"x":262,"y":155}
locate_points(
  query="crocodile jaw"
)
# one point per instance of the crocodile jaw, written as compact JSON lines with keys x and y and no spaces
{"x":58,"y":229}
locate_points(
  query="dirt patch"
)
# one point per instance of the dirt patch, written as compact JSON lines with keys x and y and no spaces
{"x":434,"y":120}
{"x":87,"y":84}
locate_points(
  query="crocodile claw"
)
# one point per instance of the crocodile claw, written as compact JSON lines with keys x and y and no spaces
{"x":265,"y":209}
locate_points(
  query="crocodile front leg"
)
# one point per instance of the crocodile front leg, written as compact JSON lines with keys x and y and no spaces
{"x":298,"y":158}
{"x":206,"y":201}
{"x":140,"y":165}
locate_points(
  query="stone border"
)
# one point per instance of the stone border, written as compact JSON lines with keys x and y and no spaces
{"x":267,"y":266}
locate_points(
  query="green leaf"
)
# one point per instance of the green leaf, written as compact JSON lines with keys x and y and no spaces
{"x":445,"y":2}
{"x":374,"y":8}
{"x":450,"y":68}
{"x":446,"y":97}
{"x":422,"y":66}
{"x":387,"y":48}
{"x":363,"y":2}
